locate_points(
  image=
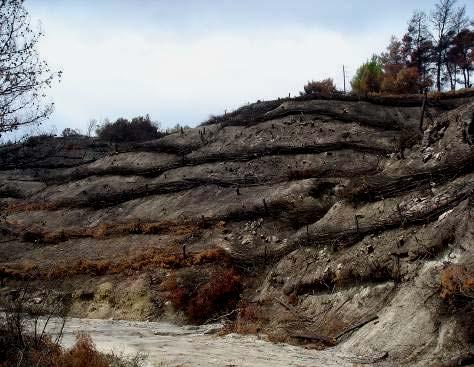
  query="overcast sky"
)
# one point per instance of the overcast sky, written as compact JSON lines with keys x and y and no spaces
{"x":182,"y":60}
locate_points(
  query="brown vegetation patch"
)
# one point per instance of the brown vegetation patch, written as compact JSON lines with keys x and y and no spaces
{"x":146,"y":260}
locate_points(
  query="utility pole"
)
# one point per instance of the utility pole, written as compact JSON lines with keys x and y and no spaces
{"x":344,"y":76}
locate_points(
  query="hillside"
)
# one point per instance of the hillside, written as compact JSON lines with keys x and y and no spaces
{"x":329,"y":222}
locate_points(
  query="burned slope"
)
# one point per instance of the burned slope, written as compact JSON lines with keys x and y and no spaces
{"x":337,"y":222}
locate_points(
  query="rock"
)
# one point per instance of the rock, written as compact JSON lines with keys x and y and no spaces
{"x":247,"y":240}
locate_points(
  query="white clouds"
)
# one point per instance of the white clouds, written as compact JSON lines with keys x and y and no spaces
{"x":118,"y":71}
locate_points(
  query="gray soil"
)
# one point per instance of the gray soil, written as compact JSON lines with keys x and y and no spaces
{"x":341,"y":215}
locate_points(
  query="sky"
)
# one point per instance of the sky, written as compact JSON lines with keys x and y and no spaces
{"x":182,"y":60}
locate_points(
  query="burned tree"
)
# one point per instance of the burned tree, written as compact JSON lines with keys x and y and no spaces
{"x":445,"y":19}
{"x":24,"y":76}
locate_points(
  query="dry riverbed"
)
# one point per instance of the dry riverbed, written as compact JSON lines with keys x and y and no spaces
{"x":171,"y":345}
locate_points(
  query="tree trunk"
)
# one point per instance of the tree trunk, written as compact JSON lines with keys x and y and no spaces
{"x":450,"y":75}
{"x":438,"y":73}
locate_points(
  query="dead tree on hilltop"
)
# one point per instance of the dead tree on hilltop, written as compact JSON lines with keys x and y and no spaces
{"x":24,"y":76}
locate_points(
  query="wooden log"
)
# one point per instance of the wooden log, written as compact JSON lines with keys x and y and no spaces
{"x":356,"y":326}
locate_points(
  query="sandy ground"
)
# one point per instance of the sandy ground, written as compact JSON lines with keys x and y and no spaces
{"x":171,"y":345}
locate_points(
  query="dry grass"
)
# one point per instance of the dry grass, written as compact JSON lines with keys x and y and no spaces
{"x":145,"y":260}
{"x":105,"y":230}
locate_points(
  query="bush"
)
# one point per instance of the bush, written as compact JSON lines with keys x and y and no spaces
{"x":324,"y":87}
{"x":122,"y":130}
{"x":68,"y":132}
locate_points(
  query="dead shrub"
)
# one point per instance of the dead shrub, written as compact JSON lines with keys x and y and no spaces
{"x":82,"y":354}
{"x":175,"y":294}
{"x":100,"y":231}
{"x":201,"y":296}
{"x":295,"y":175}
{"x":49,"y":354}
{"x":104,"y":230}
{"x":220,"y":294}
{"x":181,"y":287}
{"x":456,"y":282}
{"x":55,"y":237}
{"x":152,"y":228}
{"x":324,"y":87}
{"x":293,"y":299}
{"x":212,"y":255}
{"x":29,"y":206}
{"x":24,"y":340}
{"x":32,"y":237}
{"x":248,"y":319}
{"x":23,"y":337}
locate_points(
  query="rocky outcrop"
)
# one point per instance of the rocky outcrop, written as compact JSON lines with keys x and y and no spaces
{"x":350,"y":223}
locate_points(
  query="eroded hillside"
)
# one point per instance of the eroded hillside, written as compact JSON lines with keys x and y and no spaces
{"x":344,"y":223}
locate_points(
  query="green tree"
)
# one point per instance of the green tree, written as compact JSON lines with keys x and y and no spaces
{"x":368,"y":78}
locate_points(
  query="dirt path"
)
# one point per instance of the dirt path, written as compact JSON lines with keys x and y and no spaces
{"x":170,"y":345}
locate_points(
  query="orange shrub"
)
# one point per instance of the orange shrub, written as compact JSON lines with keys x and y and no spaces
{"x":324,"y":87}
